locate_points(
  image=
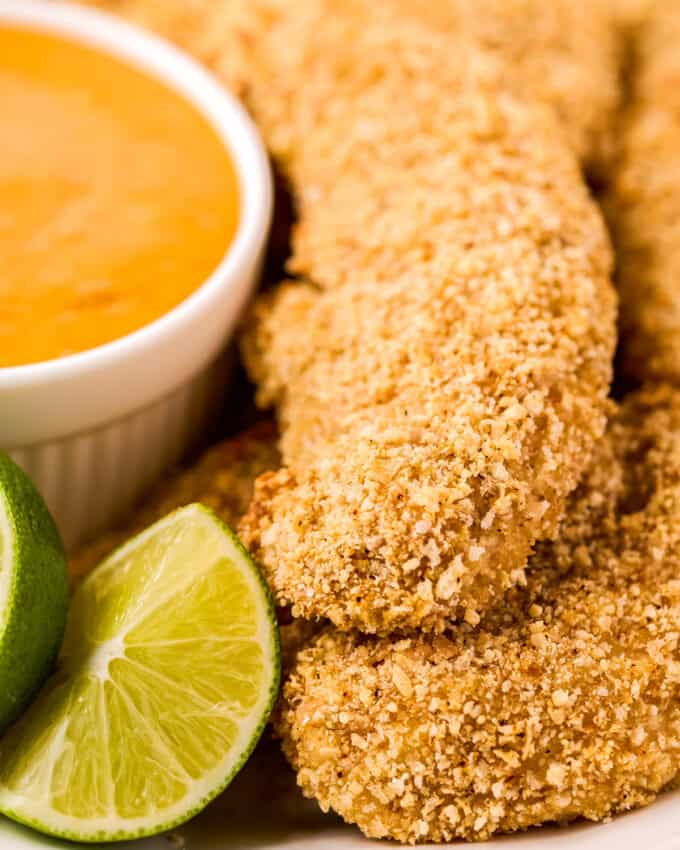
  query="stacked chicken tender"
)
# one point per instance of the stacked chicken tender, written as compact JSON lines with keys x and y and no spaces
{"x":643,"y":203}
{"x":484,"y":544}
{"x":562,"y":702}
{"x":441,"y":363}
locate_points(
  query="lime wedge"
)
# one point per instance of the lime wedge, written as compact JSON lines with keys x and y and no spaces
{"x":33,"y":591}
{"x":168,"y":673}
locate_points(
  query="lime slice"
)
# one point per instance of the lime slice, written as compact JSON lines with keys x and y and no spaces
{"x":33,"y":591}
{"x":169,"y":671}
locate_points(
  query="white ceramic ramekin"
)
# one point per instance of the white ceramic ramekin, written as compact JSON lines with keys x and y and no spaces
{"x":95,"y":429}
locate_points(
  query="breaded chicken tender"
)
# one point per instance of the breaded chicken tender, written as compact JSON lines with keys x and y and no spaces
{"x":222,"y":479}
{"x":631,"y":13}
{"x":441,"y":366}
{"x":564,"y":702}
{"x":565,"y":53}
{"x":441,"y":369}
{"x":644,"y":202}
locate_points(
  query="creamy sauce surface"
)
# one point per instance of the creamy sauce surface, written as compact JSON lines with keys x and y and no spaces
{"x":117,"y":198}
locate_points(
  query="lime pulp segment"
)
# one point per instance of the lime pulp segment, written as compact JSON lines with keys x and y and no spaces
{"x":168,"y":673}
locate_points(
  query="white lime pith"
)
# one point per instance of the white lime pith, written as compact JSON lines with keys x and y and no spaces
{"x":168,"y":673}
{"x":33,"y":591}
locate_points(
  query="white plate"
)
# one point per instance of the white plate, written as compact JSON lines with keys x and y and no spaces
{"x":264,"y":811}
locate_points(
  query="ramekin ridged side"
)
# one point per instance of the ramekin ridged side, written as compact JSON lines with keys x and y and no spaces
{"x":90,"y":479}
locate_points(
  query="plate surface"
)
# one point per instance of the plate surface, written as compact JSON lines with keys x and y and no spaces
{"x":263,"y":810}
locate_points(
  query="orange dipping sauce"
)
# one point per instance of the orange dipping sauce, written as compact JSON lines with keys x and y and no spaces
{"x":117,"y":198}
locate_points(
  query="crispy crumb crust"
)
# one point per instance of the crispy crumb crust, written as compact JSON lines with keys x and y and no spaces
{"x":564,"y":702}
{"x":643,"y":204}
{"x":565,"y":53}
{"x":632,"y":13}
{"x":441,"y":375}
{"x":222,"y":479}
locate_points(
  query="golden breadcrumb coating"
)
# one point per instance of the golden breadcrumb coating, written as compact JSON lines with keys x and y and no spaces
{"x":441,"y":370}
{"x":222,"y":479}
{"x":564,"y":702}
{"x":631,"y":13}
{"x":295,"y":635}
{"x":644,"y":202}
{"x":565,"y":53}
